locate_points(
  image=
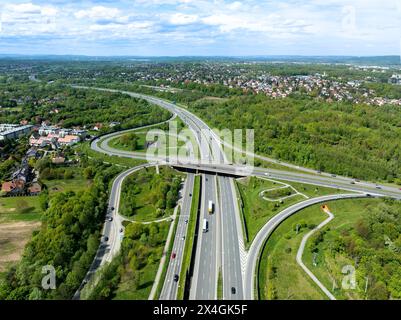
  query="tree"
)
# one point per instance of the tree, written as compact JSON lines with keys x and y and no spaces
{"x":378,"y":291}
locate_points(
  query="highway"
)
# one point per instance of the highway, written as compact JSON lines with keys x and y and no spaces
{"x":231,"y":260}
{"x":169,"y":291}
{"x":206,"y":265}
{"x":210,"y":152}
{"x":213,"y":161}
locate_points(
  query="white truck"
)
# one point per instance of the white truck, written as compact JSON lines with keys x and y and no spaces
{"x":205,"y":225}
{"x":210,"y":207}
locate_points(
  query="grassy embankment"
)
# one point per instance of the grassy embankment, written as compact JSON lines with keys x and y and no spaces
{"x":280,"y":277}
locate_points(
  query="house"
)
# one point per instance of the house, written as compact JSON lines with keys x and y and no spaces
{"x":13,"y":187}
{"x":98,"y":126}
{"x":32,"y":153}
{"x":58,"y":160}
{"x":68,"y":140}
{"x":35,"y":189}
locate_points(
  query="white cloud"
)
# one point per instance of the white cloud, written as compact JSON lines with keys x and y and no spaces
{"x":100,"y":12}
{"x":182,"y":19}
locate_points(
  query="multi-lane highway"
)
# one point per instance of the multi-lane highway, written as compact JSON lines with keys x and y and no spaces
{"x":220,"y":246}
{"x":206,"y":261}
{"x":170,"y":287}
{"x":231,"y":260}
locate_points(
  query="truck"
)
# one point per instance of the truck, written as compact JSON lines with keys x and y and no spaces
{"x":210,"y":207}
{"x":205,"y":225}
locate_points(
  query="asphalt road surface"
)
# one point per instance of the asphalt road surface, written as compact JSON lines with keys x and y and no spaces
{"x":231,"y":261}
{"x":170,"y":287}
{"x":215,"y":162}
{"x":205,"y":273}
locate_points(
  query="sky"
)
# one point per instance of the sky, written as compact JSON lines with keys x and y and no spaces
{"x":201,"y":28}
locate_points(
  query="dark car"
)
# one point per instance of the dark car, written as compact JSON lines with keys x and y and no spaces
{"x":233,"y":290}
{"x":112,"y":208}
{"x":176,"y":277}
{"x":106,"y":238}
{"x":173,"y":255}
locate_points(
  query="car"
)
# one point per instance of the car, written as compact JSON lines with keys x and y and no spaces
{"x":186,"y":220}
{"x":190,"y":194}
{"x":333,"y":175}
{"x":121,"y":230}
{"x":176,"y":277}
{"x":183,"y":238}
{"x":173,"y":255}
{"x":233,"y":290}
{"x":110,"y":218}
{"x":106,"y":238}
{"x":378,"y":187}
{"x":352,"y":182}
{"x":368,"y":195}
{"x":112,"y":208}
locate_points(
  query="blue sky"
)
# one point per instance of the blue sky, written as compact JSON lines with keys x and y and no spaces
{"x":197,"y":27}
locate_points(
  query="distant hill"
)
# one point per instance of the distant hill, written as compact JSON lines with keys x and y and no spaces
{"x":371,"y":61}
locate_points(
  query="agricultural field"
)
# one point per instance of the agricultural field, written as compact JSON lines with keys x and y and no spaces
{"x":19,"y":217}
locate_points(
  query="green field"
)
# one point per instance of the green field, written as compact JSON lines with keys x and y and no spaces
{"x":258,"y":211}
{"x":279,"y":276}
{"x":329,"y":265}
{"x":144,"y":193}
{"x":65,"y":185}
{"x":117,"y":142}
{"x":278,"y":193}
{"x":141,"y":262}
{"x":19,"y":209}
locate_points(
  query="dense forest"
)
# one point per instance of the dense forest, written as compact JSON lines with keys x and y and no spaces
{"x":68,"y":107}
{"x":141,"y":251}
{"x":353,"y":140}
{"x":67,"y":240}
